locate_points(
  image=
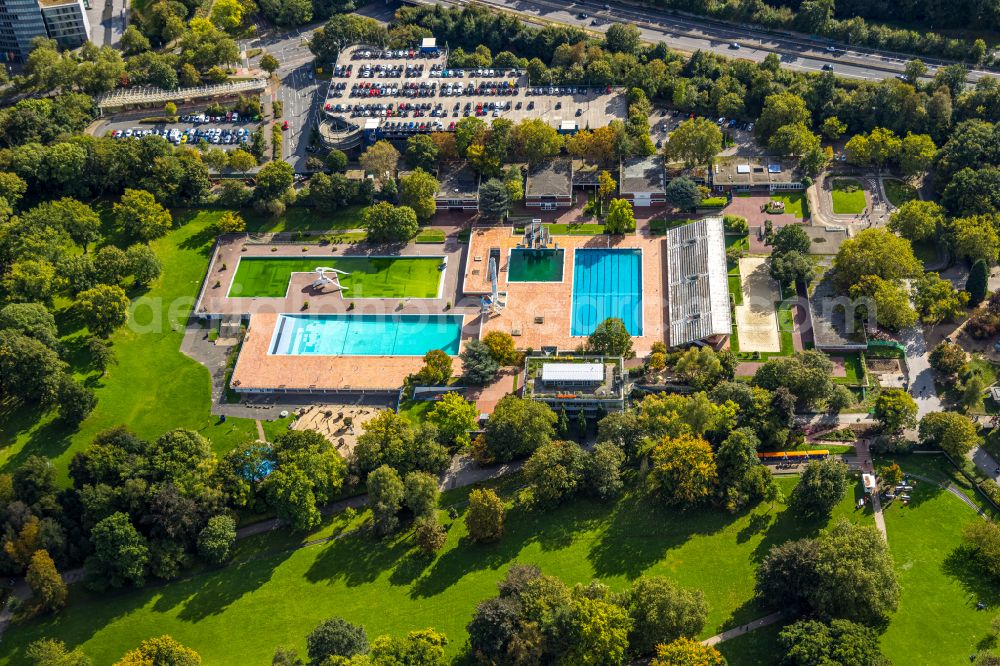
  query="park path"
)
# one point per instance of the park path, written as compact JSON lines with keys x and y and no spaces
{"x":739,"y":631}
{"x":954,"y":490}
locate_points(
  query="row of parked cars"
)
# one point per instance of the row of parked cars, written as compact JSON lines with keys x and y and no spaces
{"x":390,"y":71}
{"x":374,"y":89}
{"x":394,"y":53}
{"x":177,"y":136}
{"x":414,"y":127}
{"x":228,"y":117}
{"x":442,"y":71}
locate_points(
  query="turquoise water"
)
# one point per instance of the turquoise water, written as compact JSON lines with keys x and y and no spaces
{"x":607,"y":283}
{"x":366,"y":335}
{"x":535,"y":266}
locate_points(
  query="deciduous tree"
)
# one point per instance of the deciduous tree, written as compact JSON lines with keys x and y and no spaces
{"x":485,"y":516}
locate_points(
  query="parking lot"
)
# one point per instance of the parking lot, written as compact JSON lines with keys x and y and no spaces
{"x":409,"y":92}
{"x":191,"y":129}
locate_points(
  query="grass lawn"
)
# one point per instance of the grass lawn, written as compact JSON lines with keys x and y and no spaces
{"x":936,"y":580}
{"x":795,"y":203}
{"x":854,"y":368}
{"x":580,"y":229}
{"x":416,"y":411}
{"x":154,"y":388}
{"x":736,"y":289}
{"x":304,"y":219}
{"x":273,"y":596}
{"x":379,"y":277}
{"x":430,"y":236}
{"x":898,"y":192}
{"x":848,"y":197}
{"x":984,"y":368}
{"x":660,"y":226}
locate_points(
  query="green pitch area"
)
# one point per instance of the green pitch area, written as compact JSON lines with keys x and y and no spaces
{"x":369,"y":277}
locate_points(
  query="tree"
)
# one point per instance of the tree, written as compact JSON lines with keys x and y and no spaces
{"x":230,"y":222}
{"x":976,"y":238}
{"x":380,"y":159}
{"x":385,"y":493}
{"x":795,"y":139}
{"x":700,"y":367}
{"x":47,"y":587}
{"x":388,"y":223}
{"x":895,"y":410}
{"x":140,"y":216}
{"x":976,"y":284}
{"x":694,"y":142}
{"x":422,"y":152}
{"x":494,"y":199}
{"x":49,"y":652}
{"x":620,"y":219}
{"x":663,"y":612}
{"x":429,"y":534}
{"x":103,"y":308}
{"x":741,"y":476}
{"x":622,"y":38}
{"x":417,"y":190}
{"x":389,"y":439}
{"x":336,"y":160}
{"x":29,"y":370}
{"x":917,"y":220}
{"x":833,"y":128}
{"x":216,"y":539}
{"x":170,"y":109}
{"x":806,"y":375}
{"x":790,"y":268}
{"x":811,"y":643}
{"x":780,"y":109}
{"x":682,"y":193}
{"x":420,"y":493}
{"x":485,"y":516}
{"x":687,"y":652}
{"x":791,"y":238}
{"x":887,"y":301}
{"x":273,"y":180}
{"x":269,"y":63}
{"x":501,"y":346}
{"x":517,"y":427}
{"x":603,"y":470}
{"x":335,"y":637}
{"x":76,"y":401}
{"x":606,"y":185}
{"x":948,"y":358}
{"x":454,"y":417}
{"x":436,"y":369}
{"x":683,"y":470}
{"x":820,"y":489}
{"x":915,"y":70}
{"x":916,"y":154}
{"x":120,"y":553}
{"x":611,"y":338}
{"x":143,"y":263}
{"x":420,"y":648}
{"x":875,"y":252}
{"x":480,"y":366}
{"x":983,"y":540}
{"x":535,"y":140}
{"x":937,"y":299}
{"x":161,"y":650}
{"x":554,"y":472}
{"x":242,"y":161}
{"x":32,"y":320}
{"x":953,"y":433}
{"x":846,"y":573}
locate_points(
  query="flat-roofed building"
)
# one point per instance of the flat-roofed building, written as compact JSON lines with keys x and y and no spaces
{"x":836,"y":320}
{"x":20,"y":22}
{"x":459,"y":187}
{"x":698,"y":174}
{"x":641,"y":181}
{"x":755,"y":174}
{"x":550,"y":184}
{"x":698,"y":283}
{"x":66,"y":22}
{"x":575,"y":383}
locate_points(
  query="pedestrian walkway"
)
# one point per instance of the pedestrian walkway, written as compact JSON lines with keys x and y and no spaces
{"x":985,"y":462}
{"x":743,"y":629}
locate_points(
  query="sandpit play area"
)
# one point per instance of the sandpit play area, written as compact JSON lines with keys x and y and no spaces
{"x":755,"y":317}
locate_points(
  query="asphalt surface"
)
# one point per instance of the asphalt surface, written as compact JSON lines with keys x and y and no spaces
{"x":108,"y":20}
{"x":695,"y":33}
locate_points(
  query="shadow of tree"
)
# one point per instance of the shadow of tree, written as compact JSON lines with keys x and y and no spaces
{"x":961,"y":565}
{"x":758,"y":523}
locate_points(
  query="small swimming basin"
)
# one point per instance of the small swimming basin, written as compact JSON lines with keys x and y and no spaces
{"x":366,"y":335}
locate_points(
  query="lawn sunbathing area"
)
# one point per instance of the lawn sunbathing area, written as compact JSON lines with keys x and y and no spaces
{"x":275,"y":593}
{"x":848,"y":197}
{"x":898,"y":192}
{"x":795,"y":203}
{"x":368,"y":277}
{"x":175,"y":390}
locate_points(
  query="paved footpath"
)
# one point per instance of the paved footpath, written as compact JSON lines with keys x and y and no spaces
{"x":742,"y":629}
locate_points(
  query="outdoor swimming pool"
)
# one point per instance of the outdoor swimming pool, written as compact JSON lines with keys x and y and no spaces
{"x":535,"y":265}
{"x":366,"y":335}
{"x":607,"y":283}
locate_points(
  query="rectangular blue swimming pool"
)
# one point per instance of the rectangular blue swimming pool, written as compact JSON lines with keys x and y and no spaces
{"x":607,"y":283}
{"x":366,"y":335}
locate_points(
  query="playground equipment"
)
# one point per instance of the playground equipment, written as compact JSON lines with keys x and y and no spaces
{"x":326,"y":275}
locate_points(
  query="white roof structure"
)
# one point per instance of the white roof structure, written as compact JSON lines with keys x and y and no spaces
{"x":371,"y":123}
{"x":869,"y":482}
{"x":568,"y":126}
{"x":573,"y":372}
{"x":428,"y":43}
{"x":697,"y":282}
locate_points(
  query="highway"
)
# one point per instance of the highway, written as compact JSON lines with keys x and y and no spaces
{"x":689,"y":34}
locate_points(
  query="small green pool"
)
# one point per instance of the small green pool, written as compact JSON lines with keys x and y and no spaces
{"x":535,"y":266}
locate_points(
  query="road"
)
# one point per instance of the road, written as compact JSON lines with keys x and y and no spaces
{"x":108,"y":19}
{"x":690,"y":34}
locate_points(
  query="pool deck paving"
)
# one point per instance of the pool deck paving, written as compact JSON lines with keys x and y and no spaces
{"x":540,"y":313}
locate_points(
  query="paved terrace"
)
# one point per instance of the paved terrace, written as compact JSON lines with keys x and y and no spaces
{"x":258,"y":369}
{"x":553,"y":300}
{"x":229,"y":249}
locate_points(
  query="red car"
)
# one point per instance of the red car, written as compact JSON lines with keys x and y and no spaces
{"x":284,"y":125}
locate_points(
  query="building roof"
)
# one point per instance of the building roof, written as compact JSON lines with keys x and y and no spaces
{"x":698,"y":174}
{"x":56,"y":3}
{"x":829,"y":314}
{"x":698,"y":285}
{"x":642,"y":174}
{"x":458,"y":181}
{"x":585,"y":172}
{"x":755,"y":171}
{"x":428,"y":43}
{"x":551,"y":178}
{"x":573,"y":372}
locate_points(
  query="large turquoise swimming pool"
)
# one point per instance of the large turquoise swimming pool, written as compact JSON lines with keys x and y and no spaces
{"x":607,"y":283}
{"x":366,"y":335}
